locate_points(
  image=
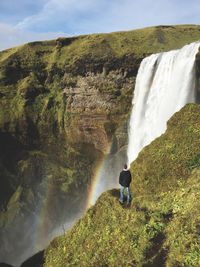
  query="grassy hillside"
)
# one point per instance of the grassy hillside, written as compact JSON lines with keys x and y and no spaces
{"x":62,"y":104}
{"x":161,"y":228}
{"x":170,"y":158}
{"x":35,"y":73}
{"x":97,"y":46}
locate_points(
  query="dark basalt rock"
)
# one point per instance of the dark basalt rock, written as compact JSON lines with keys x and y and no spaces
{"x":36,"y":260}
{"x":5,"y":265}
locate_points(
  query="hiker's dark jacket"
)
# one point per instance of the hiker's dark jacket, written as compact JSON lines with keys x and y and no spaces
{"x":125,"y":178}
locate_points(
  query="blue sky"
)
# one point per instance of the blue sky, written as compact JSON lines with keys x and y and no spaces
{"x":28,"y":20}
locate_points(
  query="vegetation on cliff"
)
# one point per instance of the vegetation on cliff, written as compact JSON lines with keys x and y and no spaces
{"x":161,"y":228}
{"x":62,"y":103}
{"x":45,"y":86}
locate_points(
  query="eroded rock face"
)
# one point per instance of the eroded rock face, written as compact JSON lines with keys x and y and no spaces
{"x":97,"y":101}
{"x":90,"y":130}
{"x":98,"y":94}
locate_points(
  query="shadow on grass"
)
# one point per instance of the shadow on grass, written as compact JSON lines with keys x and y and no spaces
{"x":116,"y":194}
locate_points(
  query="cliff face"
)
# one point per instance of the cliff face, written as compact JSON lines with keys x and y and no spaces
{"x":161,"y":227}
{"x":64,"y":103}
{"x":52,"y":147}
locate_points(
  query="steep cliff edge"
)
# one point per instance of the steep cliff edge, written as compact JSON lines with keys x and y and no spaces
{"x":161,"y":228}
{"x":64,"y":103}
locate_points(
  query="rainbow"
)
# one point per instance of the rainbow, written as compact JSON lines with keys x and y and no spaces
{"x":42,"y":225}
{"x":41,"y":221}
{"x":98,"y":185}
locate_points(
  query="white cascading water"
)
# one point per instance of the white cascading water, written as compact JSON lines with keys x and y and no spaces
{"x":165,"y":83}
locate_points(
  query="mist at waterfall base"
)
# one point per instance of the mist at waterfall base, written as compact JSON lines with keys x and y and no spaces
{"x":165,"y":83}
{"x":32,"y":232}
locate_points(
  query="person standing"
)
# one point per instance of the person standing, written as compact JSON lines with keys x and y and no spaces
{"x":125,"y":180}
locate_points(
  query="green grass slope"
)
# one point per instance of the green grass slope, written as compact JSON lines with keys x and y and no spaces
{"x":32,"y":74}
{"x":141,"y":41}
{"x":81,"y":54}
{"x":161,"y":228}
{"x":171,"y":157}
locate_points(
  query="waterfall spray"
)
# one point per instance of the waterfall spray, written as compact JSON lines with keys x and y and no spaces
{"x":164,"y":84}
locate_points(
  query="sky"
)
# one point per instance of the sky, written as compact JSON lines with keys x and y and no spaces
{"x":23,"y":21}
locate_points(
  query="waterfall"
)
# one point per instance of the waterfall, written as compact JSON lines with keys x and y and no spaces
{"x":165,"y":83}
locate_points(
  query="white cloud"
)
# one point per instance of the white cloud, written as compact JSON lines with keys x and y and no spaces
{"x":60,"y":14}
{"x":129,"y":14}
{"x":103,"y":16}
{"x":13,"y":11}
{"x":55,"y":17}
{"x":11,"y":36}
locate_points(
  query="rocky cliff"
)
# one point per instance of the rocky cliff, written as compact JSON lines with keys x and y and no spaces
{"x":64,"y":106}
